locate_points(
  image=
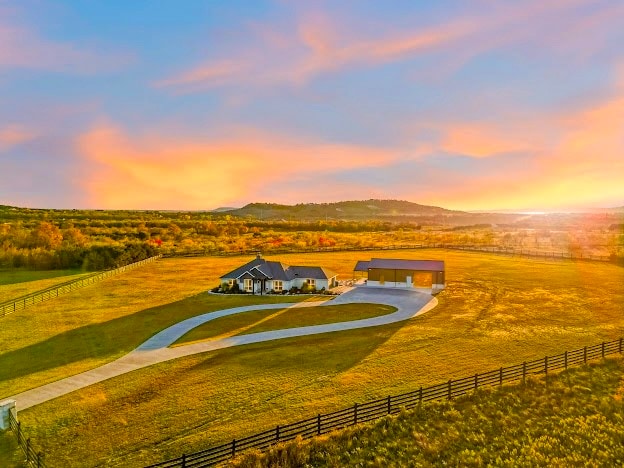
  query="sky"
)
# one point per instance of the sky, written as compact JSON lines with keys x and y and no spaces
{"x":193,"y":105}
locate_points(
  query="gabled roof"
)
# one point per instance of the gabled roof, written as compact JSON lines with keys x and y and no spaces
{"x":361,"y":265}
{"x":398,"y":264}
{"x":246,"y":267}
{"x":310,"y":272}
{"x":259,"y":268}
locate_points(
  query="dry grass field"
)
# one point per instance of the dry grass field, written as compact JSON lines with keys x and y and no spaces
{"x":570,"y":419}
{"x":496,"y":311}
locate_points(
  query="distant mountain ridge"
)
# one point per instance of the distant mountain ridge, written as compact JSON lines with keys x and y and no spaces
{"x":354,"y":209}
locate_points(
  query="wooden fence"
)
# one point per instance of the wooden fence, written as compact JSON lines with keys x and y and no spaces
{"x":471,"y":248}
{"x":34,"y":458}
{"x":22,"y":302}
{"x":371,"y":410}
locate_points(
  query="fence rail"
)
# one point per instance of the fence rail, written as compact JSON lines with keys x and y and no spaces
{"x":34,"y":458}
{"x":371,"y":410}
{"x":20,"y":303}
{"x":471,"y":248}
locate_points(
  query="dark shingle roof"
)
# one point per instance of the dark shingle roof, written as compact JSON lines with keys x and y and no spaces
{"x":310,"y":272}
{"x":397,"y":264}
{"x":263,"y":269}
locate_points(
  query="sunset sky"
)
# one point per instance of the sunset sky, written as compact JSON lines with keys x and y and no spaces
{"x":149,"y":104}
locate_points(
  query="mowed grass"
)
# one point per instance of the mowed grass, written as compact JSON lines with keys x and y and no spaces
{"x":99,"y":323}
{"x":266,"y":320}
{"x":496,"y":311}
{"x":15,"y":283}
{"x":571,"y":419}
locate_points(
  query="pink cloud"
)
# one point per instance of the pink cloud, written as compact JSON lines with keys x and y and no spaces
{"x":319,"y":45}
{"x":22,"y":47}
{"x":13,"y":135}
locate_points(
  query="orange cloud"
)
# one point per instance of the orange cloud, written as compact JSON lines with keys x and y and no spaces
{"x":13,"y":135}
{"x":158,"y":172}
{"x":482,"y":140}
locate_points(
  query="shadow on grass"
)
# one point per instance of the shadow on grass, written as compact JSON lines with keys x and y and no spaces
{"x":335,"y":351}
{"x":26,"y":276}
{"x":116,"y":336}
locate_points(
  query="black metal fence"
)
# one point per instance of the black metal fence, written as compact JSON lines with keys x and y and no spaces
{"x":22,"y":302}
{"x":371,"y":410}
{"x":472,"y":248}
{"x":34,"y":458}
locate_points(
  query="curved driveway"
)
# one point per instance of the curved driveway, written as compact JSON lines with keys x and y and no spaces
{"x":408,"y":303}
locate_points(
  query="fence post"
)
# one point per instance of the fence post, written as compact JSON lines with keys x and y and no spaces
{"x":28,"y":449}
{"x":500,"y":377}
{"x":355,"y":413}
{"x":620,"y":346}
{"x":420,"y":396}
{"x":233,"y":448}
{"x":39,"y":461}
{"x":277,"y":433}
{"x":602,"y":349}
{"x":450,"y":383}
{"x":476,"y":381}
{"x":585,"y":355}
{"x":546,"y":365}
{"x":565,"y":360}
{"x":389,"y":404}
{"x":318,"y":424}
{"x":184,"y":460}
{"x":524,"y":372}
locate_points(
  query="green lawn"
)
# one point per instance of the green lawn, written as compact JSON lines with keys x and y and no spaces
{"x":574,"y":419}
{"x":99,"y":323}
{"x":15,"y":283}
{"x":277,"y":319}
{"x":10,"y":454}
{"x":496,"y":311}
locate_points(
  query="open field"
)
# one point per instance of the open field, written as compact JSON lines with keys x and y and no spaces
{"x":15,"y":283}
{"x":100,"y":323}
{"x":265,"y":320}
{"x":575,"y":419}
{"x":496,"y":311}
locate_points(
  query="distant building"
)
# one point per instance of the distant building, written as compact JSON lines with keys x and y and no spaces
{"x":397,"y":273}
{"x":259,"y":276}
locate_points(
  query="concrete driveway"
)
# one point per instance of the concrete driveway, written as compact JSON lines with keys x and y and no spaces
{"x":408,"y":303}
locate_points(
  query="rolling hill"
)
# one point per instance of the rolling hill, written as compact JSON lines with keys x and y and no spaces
{"x":351,"y":210}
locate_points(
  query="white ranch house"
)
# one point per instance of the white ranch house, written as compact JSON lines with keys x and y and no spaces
{"x":260,"y":276}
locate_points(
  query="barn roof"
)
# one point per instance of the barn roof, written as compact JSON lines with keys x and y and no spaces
{"x":399,"y":264}
{"x":361,"y":265}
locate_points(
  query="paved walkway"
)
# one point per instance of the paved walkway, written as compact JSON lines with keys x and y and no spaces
{"x":155,"y":350}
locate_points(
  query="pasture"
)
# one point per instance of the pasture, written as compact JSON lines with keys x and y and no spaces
{"x":15,"y":283}
{"x":571,"y":419}
{"x":495,"y":311}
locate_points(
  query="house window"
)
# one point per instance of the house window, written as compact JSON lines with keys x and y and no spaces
{"x":248,"y":285}
{"x":278,"y":286}
{"x":311,"y":283}
{"x":230,"y":283}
